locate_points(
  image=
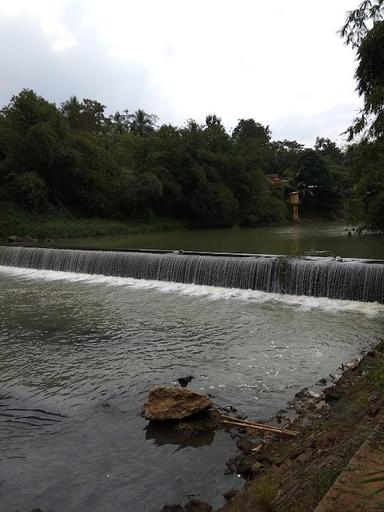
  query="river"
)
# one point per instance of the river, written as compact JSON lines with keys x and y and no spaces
{"x":297,"y":239}
{"x":79,"y":354}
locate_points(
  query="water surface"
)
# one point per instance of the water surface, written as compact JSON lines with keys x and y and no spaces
{"x":308,"y":237}
{"x":79,"y":353}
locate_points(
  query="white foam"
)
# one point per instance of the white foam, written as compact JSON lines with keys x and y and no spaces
{"x":208,"y":292}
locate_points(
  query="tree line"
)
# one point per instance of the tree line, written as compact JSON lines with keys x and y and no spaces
{"x":76,"y":158}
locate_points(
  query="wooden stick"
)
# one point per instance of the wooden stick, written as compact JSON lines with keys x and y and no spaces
{"x":258,"y":427}
{"x":238,"y":420}
{"x":235,"y":419}
{"x":230,"y":420}
{"x":254,"y":424}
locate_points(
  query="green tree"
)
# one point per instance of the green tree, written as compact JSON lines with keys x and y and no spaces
{"x":366,"y":206}
{"x":77,"y":159}
{"x":28,"y":190}
{"x":364,"y":30}
{"x":249,"y":129}
{"x":86,"y":116}
{"x":314,"y":178}
{"x":286,"y":154}
{"x":327,"y":148}
{"x":142,"y":123}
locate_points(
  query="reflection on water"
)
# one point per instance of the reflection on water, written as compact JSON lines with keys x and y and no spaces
{"x":79,"y":354}
{"x":307,"y":237}
{"x":165,"y":434}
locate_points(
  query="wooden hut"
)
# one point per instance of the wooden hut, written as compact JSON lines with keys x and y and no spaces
{"x":294,"y":200}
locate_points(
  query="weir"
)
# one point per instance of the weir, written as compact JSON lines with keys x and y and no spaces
{"x":319,"y":277}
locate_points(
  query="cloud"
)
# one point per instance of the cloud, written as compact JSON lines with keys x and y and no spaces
{"x":282,"y":64}
{"x":59,"y":63}
{"x":331,"y":123}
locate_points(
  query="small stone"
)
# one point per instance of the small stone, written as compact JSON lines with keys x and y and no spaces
{"x":332,"y":394}
{"x":230,"y":409}
{"x":304,"y":457}
{"x":257,"y":467}
{"x":315,"y":395}
{"x":302,"y":394}
{"x":245,"y":445}
{"x":184,"y":381}
{"x":281,"y":413}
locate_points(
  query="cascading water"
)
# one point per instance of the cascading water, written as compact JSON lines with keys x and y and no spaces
{"x":320,"y":277}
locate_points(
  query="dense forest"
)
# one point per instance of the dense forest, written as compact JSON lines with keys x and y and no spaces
{"x":76,"y":160}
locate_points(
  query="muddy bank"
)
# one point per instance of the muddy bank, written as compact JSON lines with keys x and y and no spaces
{"x":292,"y":475}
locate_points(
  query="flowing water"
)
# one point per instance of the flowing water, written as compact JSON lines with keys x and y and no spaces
{"x":361,"y":280}
{"x":78,"y":354}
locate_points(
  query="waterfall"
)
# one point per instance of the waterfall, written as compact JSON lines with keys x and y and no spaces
{"x":320,"y":277}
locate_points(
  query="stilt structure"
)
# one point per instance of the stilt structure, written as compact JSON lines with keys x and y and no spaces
{"x":294,"y":200}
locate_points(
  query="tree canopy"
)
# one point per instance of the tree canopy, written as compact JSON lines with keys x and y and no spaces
{"x":76,"y":158}
{"x":364,"y":31}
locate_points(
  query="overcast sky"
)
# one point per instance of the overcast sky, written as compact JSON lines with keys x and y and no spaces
{"x":280,"y":62}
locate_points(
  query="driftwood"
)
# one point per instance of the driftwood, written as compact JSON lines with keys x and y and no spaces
{"x":236,"y":422}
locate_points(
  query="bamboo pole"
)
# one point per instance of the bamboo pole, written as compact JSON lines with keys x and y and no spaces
{"x":235,"y":422}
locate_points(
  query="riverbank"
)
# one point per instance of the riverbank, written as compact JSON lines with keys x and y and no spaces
{"x":59,"y":224}
{"x":294,"y":475}
{"x":20,"y":224}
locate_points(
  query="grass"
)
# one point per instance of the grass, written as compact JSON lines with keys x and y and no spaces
{"x":59,"y":225}
{"x":265,"y":495}
{"x":260,"y":499}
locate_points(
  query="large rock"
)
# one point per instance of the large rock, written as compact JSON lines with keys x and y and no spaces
{"x":168,"y":403}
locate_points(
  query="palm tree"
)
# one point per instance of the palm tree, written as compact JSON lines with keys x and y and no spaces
{"x":142,"y":123}
{"x":72,"y":110}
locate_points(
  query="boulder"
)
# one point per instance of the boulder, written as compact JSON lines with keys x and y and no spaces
{"x":167,"y":403}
